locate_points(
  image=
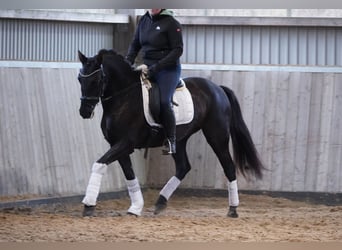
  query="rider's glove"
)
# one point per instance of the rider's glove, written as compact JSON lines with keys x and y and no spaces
{"x":143,"y":68}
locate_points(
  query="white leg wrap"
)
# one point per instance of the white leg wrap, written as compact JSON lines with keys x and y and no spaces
{"x":170,"y":187}
{"x":137,"y":200}
{"x":94,"y":184}
{"x":233,"y":194}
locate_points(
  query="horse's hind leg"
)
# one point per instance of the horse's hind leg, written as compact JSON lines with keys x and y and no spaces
{"x":229,"y":170}
{"x":182,"y":168}
{"x":220,"y":145}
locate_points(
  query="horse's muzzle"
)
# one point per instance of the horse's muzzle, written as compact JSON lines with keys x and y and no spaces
{"x":87,"y":107}
{"x":87,"y":115}
{"x":86,"y":112}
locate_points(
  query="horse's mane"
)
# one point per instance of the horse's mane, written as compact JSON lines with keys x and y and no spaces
{"x":103,"y":52}
{"x":116,"y":66}
{"x":114,"y":59}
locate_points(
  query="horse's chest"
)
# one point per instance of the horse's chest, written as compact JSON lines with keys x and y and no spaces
{"x":112,"y":128}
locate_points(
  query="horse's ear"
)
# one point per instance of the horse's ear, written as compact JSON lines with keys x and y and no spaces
{"x":82,"y":57}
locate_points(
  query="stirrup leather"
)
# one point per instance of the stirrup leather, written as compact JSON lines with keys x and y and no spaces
{"x":170,"y":147}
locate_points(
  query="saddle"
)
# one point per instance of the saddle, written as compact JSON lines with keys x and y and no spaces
{"x":182,"y":103}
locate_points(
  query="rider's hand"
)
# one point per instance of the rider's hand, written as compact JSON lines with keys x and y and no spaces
{"x":143,"y":68}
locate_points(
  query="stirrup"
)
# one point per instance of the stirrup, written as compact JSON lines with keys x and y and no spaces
{"x":170,"y":147}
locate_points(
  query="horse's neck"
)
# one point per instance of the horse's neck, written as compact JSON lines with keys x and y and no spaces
{"x":124,"y":108}
{"x":122,"y":92}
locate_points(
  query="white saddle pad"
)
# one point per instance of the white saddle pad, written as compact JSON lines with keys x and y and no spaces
{"x":184,"y":112}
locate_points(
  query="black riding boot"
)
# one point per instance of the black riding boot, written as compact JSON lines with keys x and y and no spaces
{"x":169,"y":124}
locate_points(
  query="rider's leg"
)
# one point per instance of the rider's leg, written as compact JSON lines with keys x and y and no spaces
{"x":167,"y":81}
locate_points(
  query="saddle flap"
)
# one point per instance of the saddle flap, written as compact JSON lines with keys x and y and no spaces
{"x":154,"y":101}
{"x":184,"y":110}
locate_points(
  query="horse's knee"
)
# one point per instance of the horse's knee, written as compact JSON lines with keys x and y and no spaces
{"x":99,"y":168}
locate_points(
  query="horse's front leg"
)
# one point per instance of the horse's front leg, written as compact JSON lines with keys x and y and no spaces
{"x":93,"y":188}
{"x":134,"y":190}
{"x":99,"y":168}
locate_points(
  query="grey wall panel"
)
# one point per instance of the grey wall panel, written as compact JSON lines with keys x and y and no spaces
{"x":46,"y":148}
{"x":50,"y":40}
{"x":295,"y":122}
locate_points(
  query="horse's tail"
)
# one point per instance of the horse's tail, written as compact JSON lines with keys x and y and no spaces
{"x":245,"y":154}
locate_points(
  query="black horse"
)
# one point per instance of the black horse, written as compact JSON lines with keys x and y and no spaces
{"x":108,"y":78}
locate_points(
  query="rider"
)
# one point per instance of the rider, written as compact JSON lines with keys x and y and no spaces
{"x":159,"y":35}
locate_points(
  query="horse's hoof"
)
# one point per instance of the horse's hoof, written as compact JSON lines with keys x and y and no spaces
{"x":159,"y":208}
{"x":132,"y":214}
{"x":160,"y":205}
{"x":88,"y":211}
{"x":232,"y":212}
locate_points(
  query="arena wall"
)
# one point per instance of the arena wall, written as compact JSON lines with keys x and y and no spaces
{"x":285,"y":72}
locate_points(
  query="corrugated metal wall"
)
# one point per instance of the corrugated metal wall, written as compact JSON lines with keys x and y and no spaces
{"x":217,"y":44}
{"x":34,"y":40}
{"x":208,"y":44}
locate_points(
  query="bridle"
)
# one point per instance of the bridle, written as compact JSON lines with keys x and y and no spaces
{"x":102,"y":78}
{"x":98,"y":72}
{"x":89,"y":75}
